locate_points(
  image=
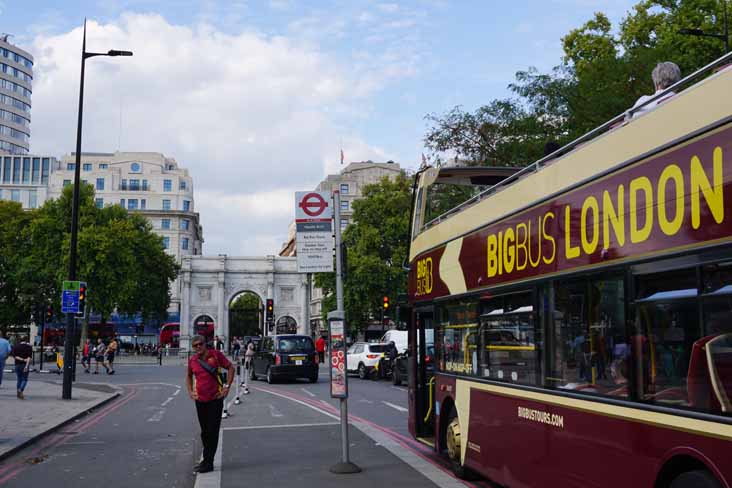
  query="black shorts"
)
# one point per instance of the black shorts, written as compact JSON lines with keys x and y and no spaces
{"x":99,"y":359}
{"x":110,"y":357}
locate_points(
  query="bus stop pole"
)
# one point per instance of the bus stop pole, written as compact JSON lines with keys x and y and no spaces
{"x":345,"y":466}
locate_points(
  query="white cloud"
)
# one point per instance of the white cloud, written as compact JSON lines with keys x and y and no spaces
{"x":248,"y":115}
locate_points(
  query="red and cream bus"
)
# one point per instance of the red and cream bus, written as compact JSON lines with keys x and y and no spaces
{"x":582,"y":307}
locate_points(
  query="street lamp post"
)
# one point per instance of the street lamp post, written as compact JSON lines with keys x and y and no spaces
{"x":701,"y":33}
{"x":69,"y":340}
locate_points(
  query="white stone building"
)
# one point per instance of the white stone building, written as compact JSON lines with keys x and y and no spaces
{"x":147,"y":183}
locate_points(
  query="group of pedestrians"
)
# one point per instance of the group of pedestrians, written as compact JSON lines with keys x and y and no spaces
{"x":102,"y":353}
{"x":22,"y":352}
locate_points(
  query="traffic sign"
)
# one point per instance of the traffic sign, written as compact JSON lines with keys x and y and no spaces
{"x":70,"y":296}
{"x":314,"y":238}
{"x":313,"y":206}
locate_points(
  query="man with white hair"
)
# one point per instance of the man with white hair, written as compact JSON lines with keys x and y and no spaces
{"x":664,"y":75}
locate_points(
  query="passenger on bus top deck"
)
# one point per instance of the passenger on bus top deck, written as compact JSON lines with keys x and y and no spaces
{"x":664,"y":75}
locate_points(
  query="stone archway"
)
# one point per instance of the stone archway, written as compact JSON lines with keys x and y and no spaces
{"x":246,"y":315}
{"x":204,"y":325}
{"x":286,"y":325}
{"x":210,"y":284}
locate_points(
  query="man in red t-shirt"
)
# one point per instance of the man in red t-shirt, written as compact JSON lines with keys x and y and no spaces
{"x":208,"y":392}
{"x":320,"y":348}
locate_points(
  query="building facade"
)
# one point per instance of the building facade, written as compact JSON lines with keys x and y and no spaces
{"x":16,"y":85}
{"x":147,"y":183}
{"x":24,"y":179}
{"x":350,"y":183}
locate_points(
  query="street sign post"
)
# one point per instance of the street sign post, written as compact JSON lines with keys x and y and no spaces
{"x":70,"y":297}
{"x":314,"y":238}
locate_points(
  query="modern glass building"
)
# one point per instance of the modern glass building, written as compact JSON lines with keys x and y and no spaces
{"x":16,"y":78}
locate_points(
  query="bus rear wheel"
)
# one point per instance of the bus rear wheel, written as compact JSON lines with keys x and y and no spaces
{"x":699,"y":478}
{"x":454,"y":443}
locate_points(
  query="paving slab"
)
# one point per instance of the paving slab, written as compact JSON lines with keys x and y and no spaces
{"x":43,"y":410}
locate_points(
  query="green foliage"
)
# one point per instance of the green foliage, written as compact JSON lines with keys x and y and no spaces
{"x":120,"y":258}
{"x":377,"y":242}
{"x":244,"y":315}
{"x":604,"y":70}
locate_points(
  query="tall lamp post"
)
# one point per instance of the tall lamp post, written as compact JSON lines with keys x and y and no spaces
{"x":69,"y":340}
{"x":701,"y":33}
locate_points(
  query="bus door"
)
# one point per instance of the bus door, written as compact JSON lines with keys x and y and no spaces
{"x":420,"y":370}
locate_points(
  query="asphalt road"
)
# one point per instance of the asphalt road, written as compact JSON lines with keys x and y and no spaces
{"x":149,"y":437}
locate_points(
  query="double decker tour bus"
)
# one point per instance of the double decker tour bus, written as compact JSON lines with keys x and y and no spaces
{"x":582,"y":307}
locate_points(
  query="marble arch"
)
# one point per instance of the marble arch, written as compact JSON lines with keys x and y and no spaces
{"x":208,"y":285}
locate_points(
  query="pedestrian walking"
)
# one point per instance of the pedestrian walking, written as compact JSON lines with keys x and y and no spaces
{"x":111,"y":351}
{"x":22,"y":352}
{"x":248,"y":365}
{"x":236,"y":348}
{"x":99,"y":350}
{"x":218,"y":344}
{"x":86,"y":352}
{"x":320,"y":348}
{"x":4,"y":353}
{"x":208,"y":389}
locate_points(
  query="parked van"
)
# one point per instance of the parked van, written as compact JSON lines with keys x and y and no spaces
{"x":399,"y":337}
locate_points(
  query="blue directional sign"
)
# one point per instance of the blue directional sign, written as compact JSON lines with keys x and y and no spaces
{"x":70,"y":297}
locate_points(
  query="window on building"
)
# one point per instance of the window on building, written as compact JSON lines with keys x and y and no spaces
{"x":87,"y":167}
{"x":184,"y":244}
{"x":16,"y":170}
{"x":103,"y":166}
{"x":122,"y":202}
{"x":32,"y":199}
{"x":135,"y":185}
{"x":167,"y":185}
{"x":123,"y":185}
{"x":7,"y":170}
{"x":344,"y":205}
{"x":26,"y":170}
{"x":144,"y":185}
{"x":70,"y":166}
{"x":186,"y":205}
{"x":166,"y":204}
{"x":100,"y":183}
{"x":36,"y":170}
{"x":344,"y":223}
{"x":344,"y":188}
{"x":143,"y":204}
{"x":166,"y":242}
{"x":15,"y":195}
{"x":132,"y":204}
{"x":165,"y":224}
{"x":1,"y":193}
{"x":184,"y":224}
{"x":67,"y":183}
{"x":45,"y":170}
{"x":99,"y":202}
{"x":183,"y":184}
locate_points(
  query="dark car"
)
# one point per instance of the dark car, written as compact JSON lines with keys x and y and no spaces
{"x":399,"y":373}
{"x":285,"y":356}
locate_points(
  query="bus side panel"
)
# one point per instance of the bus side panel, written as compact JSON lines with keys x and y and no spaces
{"x":444,"y":398}
{"x":520,"y":442}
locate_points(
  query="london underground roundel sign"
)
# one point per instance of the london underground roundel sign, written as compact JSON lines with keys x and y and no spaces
{"x":312,"y":206}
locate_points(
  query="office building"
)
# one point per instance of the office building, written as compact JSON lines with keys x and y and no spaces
{"x":16,"y":79}
{"x":24,"y":179}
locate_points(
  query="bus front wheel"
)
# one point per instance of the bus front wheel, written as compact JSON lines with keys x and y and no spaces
{"x":453,"y":443}
{"x":699,"y":478}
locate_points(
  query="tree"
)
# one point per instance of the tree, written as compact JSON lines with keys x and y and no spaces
{"x":377,"y":243}
{"x":14,"y":305}
{"x":244,"y":315}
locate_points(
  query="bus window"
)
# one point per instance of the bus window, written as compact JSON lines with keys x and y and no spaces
{"x":509,"y":344}
{"x":417,"y":225}
{"x":457,"y":336}
{"x":590,"y":351}
{"x":666,"y":329}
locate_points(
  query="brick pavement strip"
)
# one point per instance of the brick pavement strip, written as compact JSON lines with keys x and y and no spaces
{"x":43,"y":410}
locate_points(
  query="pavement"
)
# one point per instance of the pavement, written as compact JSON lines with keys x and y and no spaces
{"x":25,"y":421}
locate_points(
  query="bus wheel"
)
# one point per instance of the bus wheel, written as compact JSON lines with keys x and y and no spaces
{"x":699,"y":478}
{"x":453,"y":438}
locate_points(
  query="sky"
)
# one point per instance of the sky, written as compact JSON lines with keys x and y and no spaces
{"x":256,"y":98}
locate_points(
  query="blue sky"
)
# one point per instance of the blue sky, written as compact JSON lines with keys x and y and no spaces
{"x":257,"y":97}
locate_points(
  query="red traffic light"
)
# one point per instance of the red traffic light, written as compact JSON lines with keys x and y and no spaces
{"x":386,"y":303}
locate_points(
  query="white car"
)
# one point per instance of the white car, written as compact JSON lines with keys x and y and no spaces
{"x":362,"y":357}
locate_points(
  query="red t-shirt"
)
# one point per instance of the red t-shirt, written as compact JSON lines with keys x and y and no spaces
{"x":320,"y":345}
{"x":204,"y":383}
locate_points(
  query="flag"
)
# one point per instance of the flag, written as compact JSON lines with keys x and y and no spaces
{"x":341,"y":156}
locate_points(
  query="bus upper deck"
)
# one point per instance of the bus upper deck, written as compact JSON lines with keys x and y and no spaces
{"x":701,"y":107}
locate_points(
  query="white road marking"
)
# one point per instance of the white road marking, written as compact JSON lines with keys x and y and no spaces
{"x":284,"y":426}
{"x":363,"y":400}
{"x":400,"y":388}
{"x":308,"y":392}
{"x":176,"y":392}
{"x":274,"y":412}
{"x":302,"y":403}
{"x":212,"y":479}
{"x":157,"y":416}
{"x":170,"y":399}
{"x":397,"y":407}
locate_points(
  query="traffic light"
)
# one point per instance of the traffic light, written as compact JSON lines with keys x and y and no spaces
{"x":386,"y":303}
{"x":49,"y":314}
{"x":82,"y":297}
{"x":269,"y":315}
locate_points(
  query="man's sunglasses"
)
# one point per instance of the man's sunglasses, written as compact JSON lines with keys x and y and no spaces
{"x":197,"y":344}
